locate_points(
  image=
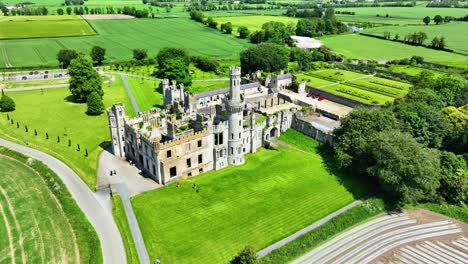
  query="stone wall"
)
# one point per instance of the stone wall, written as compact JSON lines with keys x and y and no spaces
{"x":340,"y":99}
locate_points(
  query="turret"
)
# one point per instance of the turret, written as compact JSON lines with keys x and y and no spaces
{"x":235,"y":78}
{"x":234,"y":107}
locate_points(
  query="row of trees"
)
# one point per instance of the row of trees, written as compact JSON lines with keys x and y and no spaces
{"x":227,"y":27}
{"x":437,"y":19}
{"x":77,"y":10}
{"x":410,"y":148}
{"x":65,"y":56}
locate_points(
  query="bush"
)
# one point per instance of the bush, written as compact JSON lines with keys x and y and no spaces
{"x":245,"y":256}
{"x":95,"y":104}
{"x":243,"y":32}
{"x":205,"y":63}
{"x":7,"y":104}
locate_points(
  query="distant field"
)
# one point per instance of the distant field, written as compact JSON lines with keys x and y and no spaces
{"x":13,"y":27}
{"x":251,"y":204}
{"x":146,"y":92}
{"x":355,"y":46}
{"x":204,"y":86}
{"x":451,"y":32}
{"x":253,"y":23}
{"x":119,"y":37}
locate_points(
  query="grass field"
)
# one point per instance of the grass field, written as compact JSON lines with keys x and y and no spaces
{"x":451,"y":32}
{"x":146,"y":92}
{"x":13,"y":27}
{"x":204,"y":86}
{"x":252,"y":204}
{"x":120,"y":218}
{"x":253,"y":23}
{"x":40,"y":222}
{"x":361,"y":47}
{"x":50,"y":111}
{"x":119,"y":37}
{"x":32,"y":83}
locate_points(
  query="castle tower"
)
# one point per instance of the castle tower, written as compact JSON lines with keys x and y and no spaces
{"x":116,"y":115}
{"x":234,"y":107}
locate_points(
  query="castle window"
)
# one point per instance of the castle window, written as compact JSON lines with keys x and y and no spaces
{"x":173,"y":172}
{"x":200,"y":158}
{"x":200,"y":170}
{"x":232,"y":135}
{"x":239,"y":151}
{"x":232,"y":151}
{"x":120,"y":113}
{"x":189,"y":174}
{"x":169,"y":153}
{"x":243,"y":149}
{"x":240,"y":136}
{"x":199,"y":143}
{"x":189,"y":163}
{"x":220,"y":138}
{"x":240,"y":123}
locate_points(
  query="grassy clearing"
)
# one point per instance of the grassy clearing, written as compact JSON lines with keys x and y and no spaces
{"x":147,"y":93}
{"x":122,"y":223}
{"x":250,"y":204}
{"x":351,"y":46}
{"x":33,"y":83}
{"x":43,"y":27}
{"x":451,"y":31}
{"x":119,"y":37}
{"x":41,"y":213}
{"x":253,"y":23}
{"x":205,"y":86}
{"x":50,"y":111}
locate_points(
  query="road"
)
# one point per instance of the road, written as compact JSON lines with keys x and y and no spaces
{"x":111,"y":242}
{"x":130,"y":94}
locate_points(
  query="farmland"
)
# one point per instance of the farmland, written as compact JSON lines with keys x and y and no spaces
{"x":119,"y":37}
{"x":251,"y":204}
{"x":253,"y":23}
{"x":451,"y":32}
{"x":43,"y":27}
{"x":361,"y":47}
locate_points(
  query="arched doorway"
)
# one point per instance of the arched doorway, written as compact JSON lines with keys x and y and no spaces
{"x":273,"y":132}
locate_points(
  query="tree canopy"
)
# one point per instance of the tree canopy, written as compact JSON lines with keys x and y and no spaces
{"x":6,"y":103}
{"x":267,"y":57}
{"x":65,"y":56}
{"x":84,"y":79}
{"x":98,"y":54}
{"x":94,"y":104}
{"x":173,"y":64}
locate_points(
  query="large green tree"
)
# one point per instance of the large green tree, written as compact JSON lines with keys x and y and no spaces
{"x":173,"y":64}
{"x":84,"y":79}
{"x":98,"y":54}
{"x":267,"y":57}
{"x":453,"y":178}
{"x":65,"y":56}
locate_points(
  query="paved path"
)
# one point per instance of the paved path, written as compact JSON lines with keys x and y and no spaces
{"x":307,"y":229}
{"x":130,"y":94}
{"x":111,"y":242}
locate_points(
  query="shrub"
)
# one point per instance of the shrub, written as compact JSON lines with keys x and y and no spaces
{"x":95,"y":104}
{"x":7,"y":104}
{"x":243,"y":32}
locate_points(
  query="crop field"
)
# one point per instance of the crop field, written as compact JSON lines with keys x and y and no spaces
{"x":251,"y":204}
{"x":14,"y":27}
{"x":253,"y":23}
{"x":119,"y":37}
{"x":50,"y":111}
{"x":147,"y":93}
{"x":397,"y":15}
{"x":355,"y":46}
{"x":451,"y":32}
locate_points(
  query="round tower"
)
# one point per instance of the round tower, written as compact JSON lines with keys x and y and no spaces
{"x":234,"y":107}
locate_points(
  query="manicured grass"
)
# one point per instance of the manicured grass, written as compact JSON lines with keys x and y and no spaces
{"x":336,"y":75}
{"x":411,"y":70}
{"x":312,"y":81}
{"x":358,"y":94}
{"x":39,"y":219}
{"x":43,"y":26}
{"x":450,"y":31}
{"x":50,"y":111}
{"x":253,"y":23}
{"x":122,"y":223}
{"x":32,"y":83}
{"x":276,"y":193}
{"x":119,"y":37}
{"x":204,"y":86}
{"x":147,"y":93}
{"x":361,"y":47}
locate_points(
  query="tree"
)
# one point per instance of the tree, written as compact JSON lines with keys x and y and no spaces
{"x":69,"y":10}
{"x":426,"y":20}
{"x":6,"y":103}
{"x":95,"y":104}
{"x":453,"y":178}
{"x":84,"y":79}
{"x":173,"y":64}
{"x":65,"y":56}
{"x":140,"y":54}
{"x":245,"y":256}
{"x":60,"y":11}
{"x":227,"y":27}
{"x":98,"y":54}
{"x":243,"y":32}
{"x":407,"y":172}
{"x":267,"y":57}
{"x":303,"y":58}
{"x":211,"y":22}
{"x":166,"y":54}
{"x":438,"y":19}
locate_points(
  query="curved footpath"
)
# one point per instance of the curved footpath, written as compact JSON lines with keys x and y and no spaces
{"x":109,"y":236}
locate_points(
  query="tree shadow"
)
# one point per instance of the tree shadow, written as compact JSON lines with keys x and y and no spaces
{"x":106,"y":146}
{"x":70,"y":99}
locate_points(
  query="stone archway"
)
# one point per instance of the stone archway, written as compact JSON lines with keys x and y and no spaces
{"x":273,"y":132}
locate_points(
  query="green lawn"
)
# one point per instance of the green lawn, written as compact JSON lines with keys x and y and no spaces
{"x":50,"y":111}
{"x":276,"y":193}
{"x":146,"y":92}
{"x":122,"y":223}
{"x":450,"y":31}
{"x":355,"y":46}
{"x":312,"y":81}
{"x":337,"y":75}
{"x":119,"y":37}
{"x":13,"y":27}
{"x":204,"y":86}
{"x":253,"y":23}
{"x":32,"y":83}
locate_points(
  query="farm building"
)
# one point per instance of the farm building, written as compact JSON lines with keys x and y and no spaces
{"x":306,"y":42}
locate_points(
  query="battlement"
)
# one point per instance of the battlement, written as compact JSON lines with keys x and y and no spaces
{"x":182,"y":139}
{"x":234,"y":70}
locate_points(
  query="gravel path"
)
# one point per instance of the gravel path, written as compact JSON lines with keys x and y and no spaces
{"x":130,"y":94}
{"x":111,"y":242}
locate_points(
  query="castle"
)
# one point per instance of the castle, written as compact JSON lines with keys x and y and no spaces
{"x":193,"y":134}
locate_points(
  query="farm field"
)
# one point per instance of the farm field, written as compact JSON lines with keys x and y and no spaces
{"x":451,"y":32}
{"x":251,"y":204}
{"x":253,"y":23}
{"x":351,"y":46}
{"x":119,"y":37}
{"x":14,"y":27}
{"x":147,"y":93}
{"x":397,"y":15}
{"x":50,"y":111}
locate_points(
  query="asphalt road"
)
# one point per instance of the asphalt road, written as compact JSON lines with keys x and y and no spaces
{"x":111,"y":242}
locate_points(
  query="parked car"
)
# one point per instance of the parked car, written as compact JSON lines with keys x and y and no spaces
{"x":46,"y":76}
{"x":321,"y":98}
{"x":46,"y":72}
{"x":30,"y":73}
{"x":24,"y":78}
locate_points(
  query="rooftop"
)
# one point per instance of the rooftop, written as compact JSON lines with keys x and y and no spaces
{"x":306,"y":42}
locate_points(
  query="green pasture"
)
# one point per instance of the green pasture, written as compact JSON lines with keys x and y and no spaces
{"x":253,"y":23}
{"x":355,"y":46}
{"x":118,"y":212}
{"x":412,"y":70}
{"x":13,"y":27}
{"x":119,"y":37}
{"x":147,"y":93}
{"x":32,"y":83}
{"x":251,"y":204}
{"x":451,"y":32}
{"x":336,"y":75}
{"x":312,"y":81}
{"x":205,"y":86}
{"x":51,"y":111}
